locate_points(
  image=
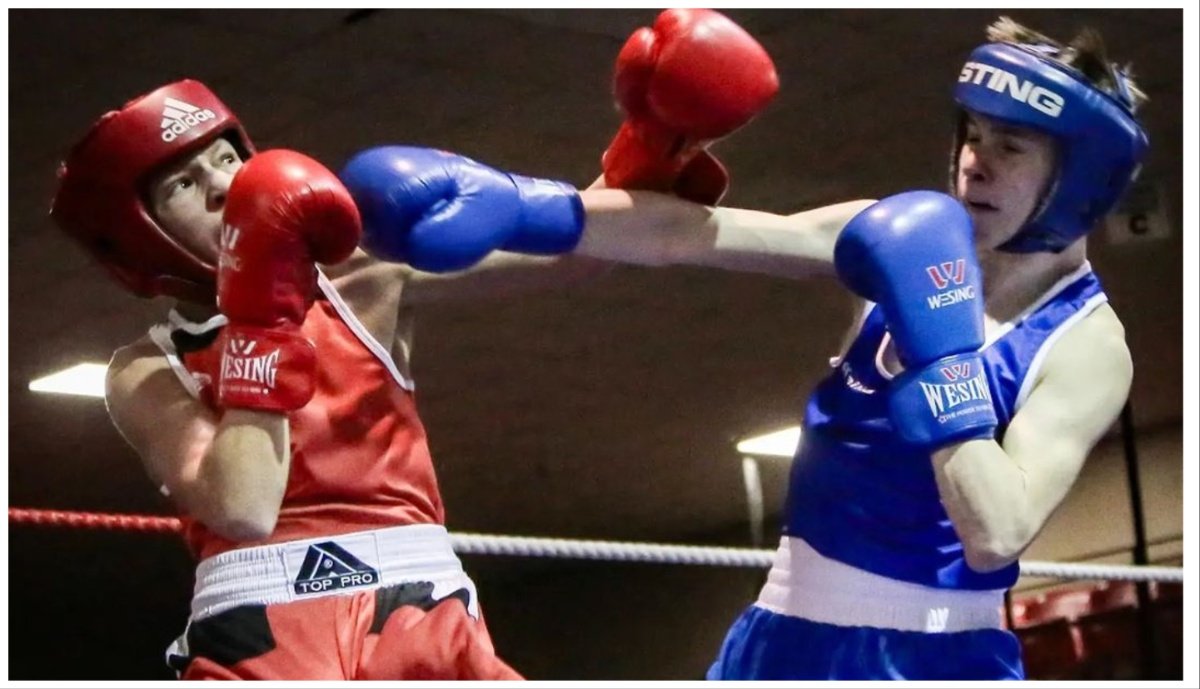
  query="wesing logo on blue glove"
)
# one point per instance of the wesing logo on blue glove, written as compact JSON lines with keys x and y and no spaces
{"x":945,"y":275}
{"x":944,"y":399}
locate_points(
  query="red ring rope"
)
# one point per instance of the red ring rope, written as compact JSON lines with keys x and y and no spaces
{"x":94,"y":520}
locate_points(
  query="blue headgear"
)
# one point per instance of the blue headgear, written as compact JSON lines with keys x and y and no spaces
{"x":1100,"y":143}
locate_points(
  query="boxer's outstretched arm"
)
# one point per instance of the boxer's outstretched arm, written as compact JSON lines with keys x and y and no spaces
{"x":439,"y":212}
{"x":1000,"y":496}
{"x":652,"y":229}
{"x":228,"y":472}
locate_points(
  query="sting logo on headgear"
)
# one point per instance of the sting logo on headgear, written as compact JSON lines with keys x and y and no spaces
{"x":102,"y":184}
{"x":1100,"y":143}
{"x":178,"y":117}
{"x":1022,"y":90}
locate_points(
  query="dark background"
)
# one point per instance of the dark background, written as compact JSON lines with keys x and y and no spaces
{"x":609,"y":410}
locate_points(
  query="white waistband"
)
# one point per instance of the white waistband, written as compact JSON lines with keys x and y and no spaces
{"x":804,"y":583}
{"x":329,"y":566}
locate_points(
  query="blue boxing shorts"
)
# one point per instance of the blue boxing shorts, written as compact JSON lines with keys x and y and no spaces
{"x":819,"y":619}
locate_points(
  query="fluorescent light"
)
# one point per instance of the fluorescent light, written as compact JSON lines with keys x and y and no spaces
{"x":81,"y":379}
{"x":778,"y":444}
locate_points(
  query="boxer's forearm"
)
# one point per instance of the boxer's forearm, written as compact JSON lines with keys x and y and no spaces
{"x":986,"y":495}
{"x":642,"y":228}
{"x":652,"y":229}
{"x":242,"y":477}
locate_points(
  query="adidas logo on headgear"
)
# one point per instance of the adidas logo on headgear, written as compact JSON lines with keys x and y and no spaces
{"x":178,"y":117}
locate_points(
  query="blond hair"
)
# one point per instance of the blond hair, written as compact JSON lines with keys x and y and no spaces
{"x":1085,"y":54}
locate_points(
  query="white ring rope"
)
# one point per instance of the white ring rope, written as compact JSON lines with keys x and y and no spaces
{"x":525,"y":546}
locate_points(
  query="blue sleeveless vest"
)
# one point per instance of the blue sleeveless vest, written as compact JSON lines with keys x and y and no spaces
{"x":859,"y":495}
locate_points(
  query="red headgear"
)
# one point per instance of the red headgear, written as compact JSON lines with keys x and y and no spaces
{"x":102,"y":185}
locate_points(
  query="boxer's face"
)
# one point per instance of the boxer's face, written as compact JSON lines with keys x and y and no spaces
{"x":1003,"y":171}
{"x":188,"y":198}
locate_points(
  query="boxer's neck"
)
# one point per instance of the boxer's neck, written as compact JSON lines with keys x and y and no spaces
{"x":1014,"y":282}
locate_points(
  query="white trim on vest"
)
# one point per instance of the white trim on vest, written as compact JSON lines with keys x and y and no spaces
{"x":1043,"y":351}
{"x":160,"y":334}
{"x":360,"y":331}
{"x":1055,"y":289}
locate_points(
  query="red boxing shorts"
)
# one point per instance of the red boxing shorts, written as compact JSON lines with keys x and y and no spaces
{"x":376,"y":605}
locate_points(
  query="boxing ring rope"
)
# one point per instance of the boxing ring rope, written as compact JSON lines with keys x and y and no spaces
{"x":616,"y":551}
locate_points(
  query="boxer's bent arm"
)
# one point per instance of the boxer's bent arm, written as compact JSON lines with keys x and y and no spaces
{"x":999,"y":498}
{"x":229,"y":473}
{"x":647,"y":228}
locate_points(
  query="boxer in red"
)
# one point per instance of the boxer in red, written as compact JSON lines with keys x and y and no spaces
{"x":274,"y":405}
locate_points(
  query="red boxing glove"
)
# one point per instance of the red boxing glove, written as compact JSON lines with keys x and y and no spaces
{"x":692,"y":79}
{"x":285,"y":212}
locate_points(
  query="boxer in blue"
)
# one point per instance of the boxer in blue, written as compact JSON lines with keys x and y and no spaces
{"x":984,"y":365}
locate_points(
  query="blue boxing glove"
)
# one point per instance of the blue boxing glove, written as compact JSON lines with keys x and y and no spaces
{"x":913,"y":254}
{"x":440,"y":212}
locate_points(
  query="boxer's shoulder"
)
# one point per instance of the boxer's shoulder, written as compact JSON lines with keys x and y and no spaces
{"x":374,"y":291}
{"x":1095,"y":344}
{"x":1077,"y":393}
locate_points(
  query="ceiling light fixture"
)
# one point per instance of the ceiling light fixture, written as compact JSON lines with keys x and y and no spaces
{"x":781,"y":443}
{"x":82,"y":379}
